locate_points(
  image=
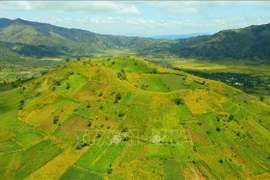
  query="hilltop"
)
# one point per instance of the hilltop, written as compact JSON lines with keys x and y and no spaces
{"x":44,"y":40}
{"x":125,"y":118}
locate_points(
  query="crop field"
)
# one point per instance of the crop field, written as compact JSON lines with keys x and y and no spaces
{"x":252,"y":77}
{"x":125,"y":118}
{"x":75,"y":172}
{"x":24,"y":163}
{"x":173,"y":81}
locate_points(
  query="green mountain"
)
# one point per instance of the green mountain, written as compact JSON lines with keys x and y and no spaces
{"x":125,"y":118}
{"x":251,"y":43}
{"x":48,"y":40}
{"x":45,"y":40}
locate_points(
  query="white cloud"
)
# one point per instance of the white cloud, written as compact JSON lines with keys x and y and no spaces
{"x":72,"y":6}
{"x":15,"y":5}
{"x":150,"y":27}
{"x":201,"y":7}
{"x":131,"y":10}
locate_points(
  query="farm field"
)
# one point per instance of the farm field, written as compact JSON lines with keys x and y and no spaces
{"x":127,"y":118}
{"x":251,"y":77}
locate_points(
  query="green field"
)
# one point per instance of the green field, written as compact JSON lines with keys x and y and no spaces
{"x":126,"y":118}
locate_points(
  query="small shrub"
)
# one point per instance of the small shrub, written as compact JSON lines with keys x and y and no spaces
{"x":68,"y":85}
{"x":109,"y":171}
{"x":98,"y":135}
{"x":125,"y":138}
{"x":121,"y":114}
{"x":20,"y":107}
{"x":155,"y":71}
{"x":58,"y":83}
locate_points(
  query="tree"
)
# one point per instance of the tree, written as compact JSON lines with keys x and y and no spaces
{"x":121,"y":114}
{"x":262,"y":98}
{"x":89,"y":123}
{"x":125,"y":138}
{"x":20,"y":107}
{"x":109,"y":171}
{"x":155,"y":71}
{"x":118,"y":96}
{"x":57,"y":83}
{"x":68,"y":85}
{"x":179,"y":101}
{"x":67,"y":60}
{"x":55,"y":119}
{"x":78,"y":59}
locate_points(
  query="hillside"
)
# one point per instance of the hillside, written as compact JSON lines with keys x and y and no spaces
{"x":124,"y":118}
{"x":251,"y":43}
{"x":58,"y":41}
{"x":44,"y":40}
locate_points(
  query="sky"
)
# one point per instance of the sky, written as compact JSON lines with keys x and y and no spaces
{"x":142,"y":18}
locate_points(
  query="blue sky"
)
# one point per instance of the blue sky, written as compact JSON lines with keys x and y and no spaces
{"x":142,"y":18}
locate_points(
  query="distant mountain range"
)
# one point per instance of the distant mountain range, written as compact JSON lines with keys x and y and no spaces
{"x":251,"y":43}
{"x":35,"y":39}
{"x":179,"y":36}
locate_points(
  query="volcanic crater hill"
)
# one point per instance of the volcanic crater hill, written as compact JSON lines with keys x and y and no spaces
{"x":125,"y":118}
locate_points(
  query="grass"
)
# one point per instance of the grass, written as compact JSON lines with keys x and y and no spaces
{"x":173,"y":81}
{"x":77,"y":173}
{"x":107,"y":159}
{"x":171,"y":170}
{"x":152,"y":83}
{"x":29,"y":138}
{"x":9,"y":146}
